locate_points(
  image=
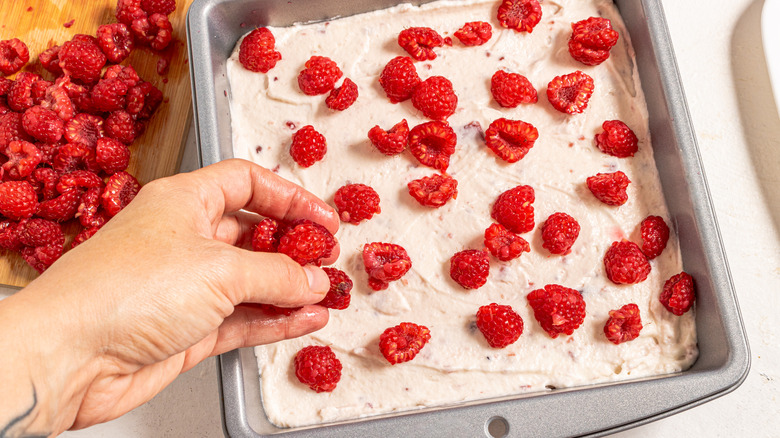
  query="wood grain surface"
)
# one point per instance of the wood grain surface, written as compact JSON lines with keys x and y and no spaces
{"x":157,"y":153}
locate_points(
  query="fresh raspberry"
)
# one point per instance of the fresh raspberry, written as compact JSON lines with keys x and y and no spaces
{"x":338,"y":296}
{"x":38,"y":91}
{"x":655,"y":234}
{"x":129,"y":10}
{"x":308,"y":146}
{"x":155,"y":31}
{"x":390,"y":142}
{"x":385,"y":262}
{"x":342,"y":97}
{"x":510,"y":139}
{"x":165,"y":7}
{"x":108,"y":95}
{"x":20,"y":94}
{"x":120,"y":125}
{"x":475,"y":33}
{"x":403,"y":342}
{"x":78,"y":94}
{"x":116,"y":41}
{"x":85,"y":129}
{"x":83,"y":236}
{"x":126,"y":74}
{"x":609,"y":188}
{"x":79,"y":179}
{"x":43,"y":124}
{"x":13,"y":56}
{"x":558,"y":309}
{"x":61,"y":208}
{"x":434,"y":190}
{"x":50,"y":60}
{"x":679,"y":293}
{"x":514,"y":210}
{"x":82,"y":61}
{"x":570,"y":93}
{"x":399,"y":78}
{"x":504,"y":244}
{"x":23,"y":158}
{"x":9,"y":235}
{"x":112,"y":155}
{"x":617,"y":139}
{"x":265,"y":237}
{"x":356,"y":202}
{"x":470,"y":268}
{"x":318,"y":367}
{"x":500,"y":325}
{"x":40,"y":232}
{"x":72,"y":156}
{"x":89,"y":211}
{"x":591,"y":40}
{"x":58,"y":100}
{"x":433,"y":143}
{"x":559,"y":233}
{"x":625,"y":263}
{"x":307,"y":242}
{"x":319,"y":76}
{"x":435,"y":98}
{"x":18,"y":199}
{"x":5,"y":85}
{"x":11,"y":129}
{"x":143,"y":100}
{"x":256,"y":52}
{"x":121,"y":188}
{"x":45,"y":179}
{"x":520,"y":15}
{"x":419,"y":42}
{"x":41,"y":257}
{"x":624,"y":324}
{"x":48,"y":152}
{"x":511,"y":89}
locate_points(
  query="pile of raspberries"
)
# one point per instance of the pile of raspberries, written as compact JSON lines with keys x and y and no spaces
{"x":64,"y":139}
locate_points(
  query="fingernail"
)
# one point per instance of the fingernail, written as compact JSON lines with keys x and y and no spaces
{"x":318,"y":279}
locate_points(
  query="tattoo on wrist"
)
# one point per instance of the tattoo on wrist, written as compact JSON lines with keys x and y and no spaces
{"x":15,"y":428}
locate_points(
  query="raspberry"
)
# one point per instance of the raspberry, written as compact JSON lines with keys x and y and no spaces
{"x":40,"y":232}
{"x":83,"y":61}
{"x":434,"y":190}
{"x":308,"y":146}
{"x":38,"y":91}
{"x":510,"y":139}
{"x":343,"y":97}
{"x":470,"y":268}
{"x":126,"y":74}
{"x":120,"y":125}
{"x":307,"y":242}
{"x":155,"y":31}
{"x":318,"y":367}
{"x":433,"y":143}
{"x":403,"y":342}
{"x":41,"y":257}
{"x":58,"y":100}
{"x":609,"y":188}
{"x":623,"y":324}
{"x":655,"y":234}
{"x":520,"y":15}
{"x":20,"y":94}
{"x":48,"y":152}
{"x":559,"y":233}
{"x":9,"y":235}
{"x":79,"y":179}
{"x":511,"y":89}
{"x":50,"y":60}
{"x":679,"y":293}
{"x":500,"y":325}
{"x":558,"y":309}
{"x":504,"y":244}
{"x":72,"y":156}
{"x":390,"y":142}
{"x":18,"y":199}
{"x":116,"y":41}
{"x":399,"y":79}
{"x":11,"y":129}
{"x":435,"y":98}
{"x":85,"y":129}
{"x":475,"y":33}
{"x":319,"y":76}
{"x":129,"y":10}
{"x":13,"y":56}
{"x":591,"y":40}
{"x":617,"y":139}
{"x":61,"y":208}
{"x":257,"y":53}
{"x":83,"y":236}
{"x":5,"y":85}
{"x":385,"y":262}
{"x":108,"y":95}
{"x":45,"y":179}
{"x":265,"y":237}
{"x":23,"y":158}
{"x":514,"y":210}
{"x":419,"y":42}
{"x":625,"y":263}
{"x":165,"y":7}
{"x":143,"y":100}
{"x":43,"y":124}
{"x":89,"y":210}
{"x":111,"y":155}
{"x":570,"y":93}
{"x":356,"y":202}
{"x":121,"y":188}
{"x":338,"y":296}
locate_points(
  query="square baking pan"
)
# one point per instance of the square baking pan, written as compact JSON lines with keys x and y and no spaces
{"x":214,"y":27}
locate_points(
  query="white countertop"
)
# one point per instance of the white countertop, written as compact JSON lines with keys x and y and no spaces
{"x":722,"y":65}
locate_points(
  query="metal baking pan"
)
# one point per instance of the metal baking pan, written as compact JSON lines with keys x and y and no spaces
{"x":214,"y":27}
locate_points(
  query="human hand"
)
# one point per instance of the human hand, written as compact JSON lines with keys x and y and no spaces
{"x":165,"y":284}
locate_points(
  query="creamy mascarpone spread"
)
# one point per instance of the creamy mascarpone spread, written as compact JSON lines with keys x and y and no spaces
{"x":457,"y":364}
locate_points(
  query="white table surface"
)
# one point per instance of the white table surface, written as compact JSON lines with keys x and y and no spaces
{"x":723,"y":69}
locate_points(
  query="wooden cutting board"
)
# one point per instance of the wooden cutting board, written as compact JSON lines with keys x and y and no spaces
{"x":157,"y":153}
